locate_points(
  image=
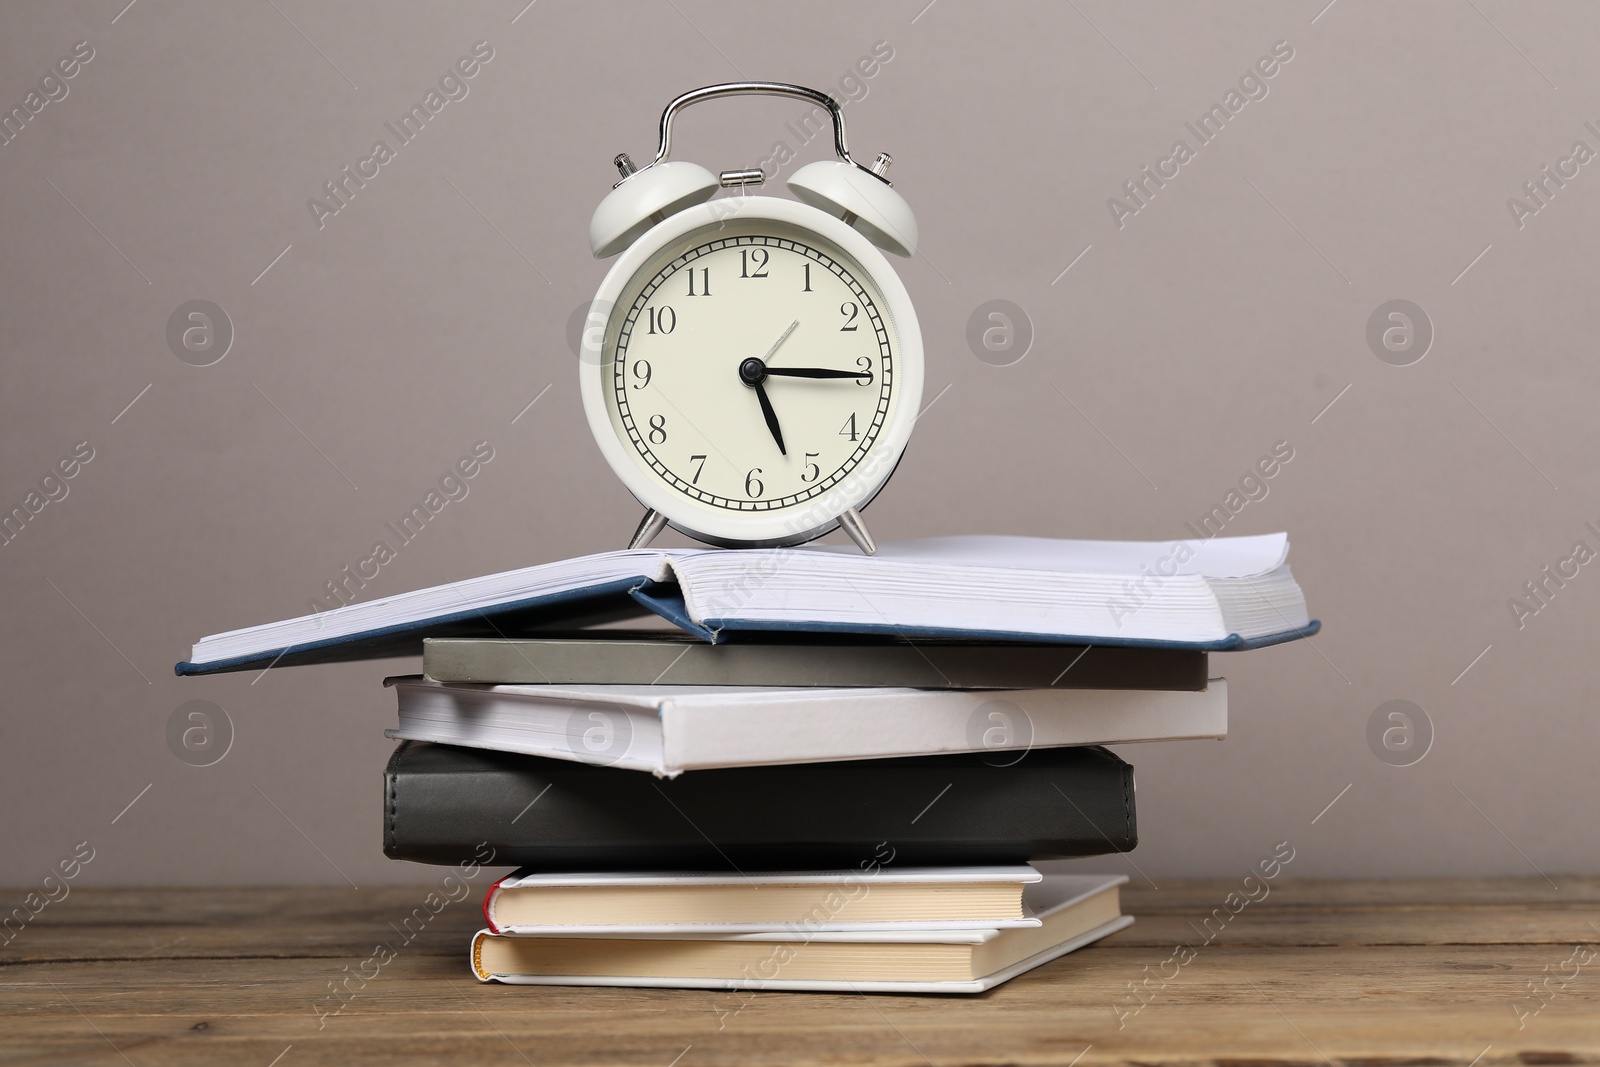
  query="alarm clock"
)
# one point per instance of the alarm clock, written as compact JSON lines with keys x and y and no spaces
{"x":751,"y":366}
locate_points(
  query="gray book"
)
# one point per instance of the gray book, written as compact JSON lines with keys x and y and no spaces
{"x":622,"y":657}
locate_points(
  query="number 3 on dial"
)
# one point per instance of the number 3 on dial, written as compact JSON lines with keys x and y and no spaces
{"x":759,"y":373}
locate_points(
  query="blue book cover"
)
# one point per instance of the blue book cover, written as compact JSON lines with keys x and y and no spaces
{"x":1224,"y":594}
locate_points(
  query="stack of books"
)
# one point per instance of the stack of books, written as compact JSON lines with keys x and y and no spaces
{"x":834,"y":772}
{"x":931,"y":929}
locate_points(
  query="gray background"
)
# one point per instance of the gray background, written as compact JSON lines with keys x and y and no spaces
{"x":1224,"y":317}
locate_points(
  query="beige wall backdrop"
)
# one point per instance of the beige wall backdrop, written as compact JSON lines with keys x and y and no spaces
{"x":1176,"y":340}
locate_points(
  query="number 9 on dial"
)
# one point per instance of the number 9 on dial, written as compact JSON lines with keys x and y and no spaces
{"x":760,"y":366}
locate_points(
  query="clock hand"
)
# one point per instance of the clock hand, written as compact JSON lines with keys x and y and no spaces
{"x":771,"y":417}
{"x":812,"y":372}
{"x":781,"y":338}
{"x":753,"y":372}
{"x":800,"y":372}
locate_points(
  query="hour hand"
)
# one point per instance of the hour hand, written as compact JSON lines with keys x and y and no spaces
{"x":812,"y":372}
{"x":771,"y":417}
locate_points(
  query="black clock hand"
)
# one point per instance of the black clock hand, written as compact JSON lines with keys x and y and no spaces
{"x":771,"y":417}
{"x":813,"y":372}
{"x":753,"y":372}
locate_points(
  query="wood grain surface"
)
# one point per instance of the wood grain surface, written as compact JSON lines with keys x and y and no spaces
{"x":1374,"y":974}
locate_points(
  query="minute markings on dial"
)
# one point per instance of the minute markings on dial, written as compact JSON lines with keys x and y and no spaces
{"x":683,"y":362}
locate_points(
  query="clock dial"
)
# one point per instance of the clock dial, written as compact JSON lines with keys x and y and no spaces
{"x":750,"y":366}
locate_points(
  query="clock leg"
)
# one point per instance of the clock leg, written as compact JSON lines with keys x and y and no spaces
{"x":649,"y":526}
{"x":853,"y":525}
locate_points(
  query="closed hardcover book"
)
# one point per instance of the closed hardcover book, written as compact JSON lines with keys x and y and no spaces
{"x":668,"y":729}
{"x":871,"y":897}
{"x":825,"y":661}
{"x":443,"y":804}
{"x":1071,"y":911}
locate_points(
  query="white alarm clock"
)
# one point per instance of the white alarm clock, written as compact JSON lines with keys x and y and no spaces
{"x":752,"y":366}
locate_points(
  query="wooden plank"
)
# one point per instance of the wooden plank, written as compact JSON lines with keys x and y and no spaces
{"x":1443,"y":998}
{"x":1334,"y":894}
{"x":446,"y":933}
{"x":1358,"y":973}
{"x":284,"y":923}
{"x":346,"y":924}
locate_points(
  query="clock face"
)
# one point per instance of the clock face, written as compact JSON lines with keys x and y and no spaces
{"x":750,"y":366}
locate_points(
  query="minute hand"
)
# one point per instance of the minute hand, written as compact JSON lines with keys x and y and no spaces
{"x":813,"y":372}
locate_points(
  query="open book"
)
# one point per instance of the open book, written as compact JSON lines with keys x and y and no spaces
{"x":1221,"y":594}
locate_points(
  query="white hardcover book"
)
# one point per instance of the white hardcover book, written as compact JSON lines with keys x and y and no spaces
{"x":780,"y":903}
{"x":671,"y":729}
{"x":1216,"y":594}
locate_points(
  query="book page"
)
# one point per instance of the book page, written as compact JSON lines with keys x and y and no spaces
{"x":1222,"y":557}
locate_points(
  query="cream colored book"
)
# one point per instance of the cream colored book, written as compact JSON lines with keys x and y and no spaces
{"x":794,"y":902}
{"x":1073,"y":911}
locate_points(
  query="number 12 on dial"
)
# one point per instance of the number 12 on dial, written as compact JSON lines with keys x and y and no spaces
{"x":756,"y":376}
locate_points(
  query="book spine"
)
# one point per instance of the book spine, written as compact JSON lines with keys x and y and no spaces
{"x":489,"y":898}
{"x":477,"y":955}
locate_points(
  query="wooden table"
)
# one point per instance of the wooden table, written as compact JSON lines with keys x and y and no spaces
{"x":1371,"y":973}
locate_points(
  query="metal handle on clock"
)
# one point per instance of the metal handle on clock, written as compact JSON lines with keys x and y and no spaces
{"x":798,"y":92}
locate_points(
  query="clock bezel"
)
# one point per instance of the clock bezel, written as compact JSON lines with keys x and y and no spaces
{"x":814,"y":517}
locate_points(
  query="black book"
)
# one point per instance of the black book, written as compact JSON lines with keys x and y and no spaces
{"x":444,"y":804}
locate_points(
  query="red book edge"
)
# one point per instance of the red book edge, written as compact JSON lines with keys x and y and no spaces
{"x":488,"y":902}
